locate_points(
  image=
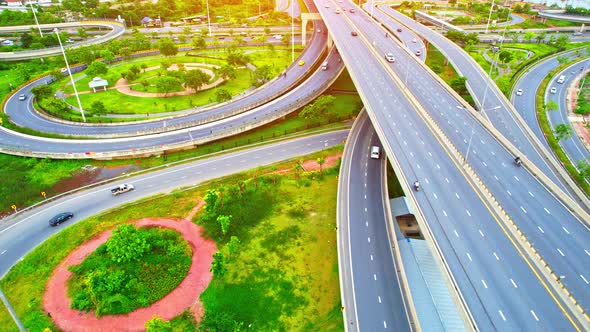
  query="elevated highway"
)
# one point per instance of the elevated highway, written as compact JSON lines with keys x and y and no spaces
{"x":386,"y":98}
{"x":116,"y":30}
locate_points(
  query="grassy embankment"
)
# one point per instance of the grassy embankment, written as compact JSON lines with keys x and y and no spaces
{"x":284,"y":274}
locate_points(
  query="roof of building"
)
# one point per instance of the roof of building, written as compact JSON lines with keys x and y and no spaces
{"x":400,"y":207}
{"x":98,"y":82}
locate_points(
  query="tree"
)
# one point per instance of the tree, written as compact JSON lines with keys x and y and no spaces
{"x":96,"y":68}
{"x":561,"y":41}
{"x":321,"y":161}
{"x":167,"y":84}
{"x":528,"y":36}
{"x":156,"y":324}
{"x":227,"y":71}
{"x":224,"y":221}
{"x":82,"y":33}
{"x":552,"y":106}
{"x":127,"y":244}
{"x":165,"y":64}
{"x":222,"y":95}
{"x":167,"y":47}
{"x":458,"y":84}
{"x":237,"y":59}
{"x":182,"y":39}
{"x":107,"y":55}
{"x":218,"y":267}
{"x":318,"y":109}
{"x":561,"y":59}
{"x":584,"y":168}
{"x":42,"y":91}
{"x":26,"y":39}
{"x":195,"y":78}
{"x":563,"y":131}
{"x":199,"y":43}
{"x":505,"y":56}
{"x":540,"y":36}
{"x":97,"y":107}
{"x":23,"y":71}
{"x":233,"y":245}
{"x":143,"y":67}
{"x":261,"y":75}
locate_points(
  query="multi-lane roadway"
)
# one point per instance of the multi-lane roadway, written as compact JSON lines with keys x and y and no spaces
{"x":388,"y":107}
{"x":21,"y":234}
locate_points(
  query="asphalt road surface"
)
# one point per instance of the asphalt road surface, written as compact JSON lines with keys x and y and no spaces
{"x":371,"y":291}
{"x":21,"y":234}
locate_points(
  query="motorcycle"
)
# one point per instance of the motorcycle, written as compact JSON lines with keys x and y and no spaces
{"x":417,"y":186}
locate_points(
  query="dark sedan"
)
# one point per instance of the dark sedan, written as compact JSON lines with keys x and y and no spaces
{"x":58,"y":219}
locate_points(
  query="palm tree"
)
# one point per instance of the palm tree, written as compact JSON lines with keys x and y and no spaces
{"x":321,"y":161}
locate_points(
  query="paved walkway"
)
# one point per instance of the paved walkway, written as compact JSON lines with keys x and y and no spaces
{"x":186,"y":295}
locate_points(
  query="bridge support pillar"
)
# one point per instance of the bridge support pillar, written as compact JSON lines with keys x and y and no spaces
{"x":306,"y":17}
{"x":582,"y":27}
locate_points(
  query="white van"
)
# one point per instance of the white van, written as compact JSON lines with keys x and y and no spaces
{"x":375,"y":151}
{"x":325,"y":65}
{"x":561,"y":79}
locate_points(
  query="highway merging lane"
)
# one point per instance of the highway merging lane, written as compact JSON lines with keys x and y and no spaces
{"x":500,"y":289}
{"x":529,"y":204}
{"x":573,"y":146}
{"x":23,"y":114}
{"x":21,"y":234}
{"x":529,"y":83}
{"x":372,"y":295}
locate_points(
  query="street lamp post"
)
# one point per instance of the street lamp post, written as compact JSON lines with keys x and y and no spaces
{"x":293,"y":32}
{"x":489,"y":17}
{"x":70,"y":74}
{"x":36,"y":21}
{"x":208,"y":18}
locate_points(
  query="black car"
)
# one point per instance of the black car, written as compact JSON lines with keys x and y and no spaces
{"x":60,"y":218}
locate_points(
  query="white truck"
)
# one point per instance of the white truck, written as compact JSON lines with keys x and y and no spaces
{"x":122,"y":188}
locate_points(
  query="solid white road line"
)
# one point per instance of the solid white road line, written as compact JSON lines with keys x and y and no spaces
{"x":535,"y":315}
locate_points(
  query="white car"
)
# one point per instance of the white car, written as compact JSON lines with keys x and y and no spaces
{"x":277,"y":37}
{"x":22,"y":97}
{"x":418,"y":53}
{"x":389,"y":57}
{"x":414,"y":40}
{"x":553,"y":90}
{"x":337,"y":11}
{"x":519,"y":92}
{"x":327,"y":5}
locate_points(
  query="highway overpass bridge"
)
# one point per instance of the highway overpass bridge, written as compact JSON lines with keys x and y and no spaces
{"x":429,"y":132}
{"x":116,"y":30}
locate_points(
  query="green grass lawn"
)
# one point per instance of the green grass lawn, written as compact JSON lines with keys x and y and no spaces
{"x":439,"y":64}
{"x":118,"y":103}
{"x":308,"y":288}
{"x":7,"y":324}
{"x":110,"y":287}
{"x":284,"y":275}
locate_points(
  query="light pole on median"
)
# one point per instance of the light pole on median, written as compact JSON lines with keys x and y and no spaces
{"x":70,"y":74}
{"x":489,"y":17}
{"x":208,"y":18}
{"x":293,"y":32}
{"x":36,"y":21}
